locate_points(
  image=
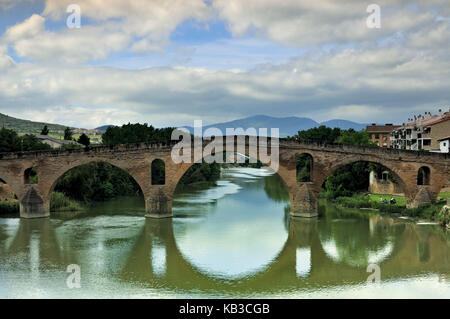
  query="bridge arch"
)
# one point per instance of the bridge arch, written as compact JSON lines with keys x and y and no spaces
{"x":399,"y":177}
{"x":56,"y":176}
{"x":184,"y":167}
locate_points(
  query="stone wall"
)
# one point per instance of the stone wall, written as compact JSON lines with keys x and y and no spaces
{"x":381,"y":186}
{"x":6,"y":194}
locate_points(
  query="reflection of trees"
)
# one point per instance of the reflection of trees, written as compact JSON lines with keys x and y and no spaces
{"x":275,"y":188}
{"x":356,"y":241}
{"x":50,"y":254}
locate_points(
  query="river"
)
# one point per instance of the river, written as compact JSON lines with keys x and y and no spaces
{"x":232,"y":239}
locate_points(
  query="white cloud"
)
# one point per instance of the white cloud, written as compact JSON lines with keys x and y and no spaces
{"x":27,"y":29}
{"x":383,"y":73}
{"x":302,"y":22}
{"x":8,"y":4}
{"x":363,"y":85}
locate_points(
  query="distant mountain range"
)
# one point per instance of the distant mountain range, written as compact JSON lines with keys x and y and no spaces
{"x":288,"y":126}
{"x":104,"y":127}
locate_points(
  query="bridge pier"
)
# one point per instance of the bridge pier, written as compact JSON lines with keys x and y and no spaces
{"x":422,"y":197}
{"x":158,"y":204}
{"x":33,"y":206}
{"x":303,"y":201}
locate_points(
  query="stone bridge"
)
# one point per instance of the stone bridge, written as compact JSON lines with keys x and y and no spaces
{"x":137,"y":159}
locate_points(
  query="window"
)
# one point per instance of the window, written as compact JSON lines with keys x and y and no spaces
{"x":158,"y":171}
{"x":377,"y":136}
{"x":304,"y":167}
{"x":30,"y":176}
{"x":423,"y":176}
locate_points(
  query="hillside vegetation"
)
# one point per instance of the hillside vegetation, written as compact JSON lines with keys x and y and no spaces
{"x":25,"y":126}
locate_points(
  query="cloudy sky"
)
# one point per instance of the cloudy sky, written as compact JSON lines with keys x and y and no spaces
{"x":168,"y":62}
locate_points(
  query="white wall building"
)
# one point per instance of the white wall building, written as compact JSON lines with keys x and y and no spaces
{"x":444,"y":144}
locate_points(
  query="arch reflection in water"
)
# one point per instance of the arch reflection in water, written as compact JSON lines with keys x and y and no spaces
{"x":122,"y":257}
{"x":237,"y":235}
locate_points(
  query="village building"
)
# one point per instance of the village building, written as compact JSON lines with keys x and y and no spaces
{"x":380,"y":134}
{"x":55,"y":142}
{"x":422,"y":132}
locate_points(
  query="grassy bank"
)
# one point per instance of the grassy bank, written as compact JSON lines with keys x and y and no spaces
{"x":59,"y":203}
{"x":62,"y":203}
{"x":372,"y":201}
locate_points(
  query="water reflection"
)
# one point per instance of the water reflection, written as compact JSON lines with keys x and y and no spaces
{"x":241,"y":244}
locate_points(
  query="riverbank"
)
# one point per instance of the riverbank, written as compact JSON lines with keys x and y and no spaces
{"x":59,"y":203}
{"x":373,"y":202}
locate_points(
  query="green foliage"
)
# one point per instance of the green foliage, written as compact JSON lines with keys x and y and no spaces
{"x":304,"y":165}
{"x":45,"y":130}
{"x":61,"y":203}
{"x":136,"y":133}
{"x":429,"y":211}
{"x":201,"y":172}
{"x":348,"y":179}
{"x":33,"y":176}
{"x":444,"y":215}
{"x":275,"y":188}
{"x":11,"y":142}
{"x":158,"y":172}
{"x":96,"y":182}
{"x":321,"y":134}
{"x":352,"y":137}
{"x":24,"y":126}
{"x":247,"y":163}
{"x":68,"y":134}
{"x":9,"y":208}
{"x":84,"y":139}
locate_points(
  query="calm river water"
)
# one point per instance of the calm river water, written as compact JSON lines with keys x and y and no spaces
{"x":234,"y":239}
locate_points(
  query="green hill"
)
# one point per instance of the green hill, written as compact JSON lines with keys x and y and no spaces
{"x":25,"y":126}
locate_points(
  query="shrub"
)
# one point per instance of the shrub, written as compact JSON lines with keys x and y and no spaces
{"x":60,"y":202}
{"x":443,"y":215}
{"x":9,"y":207}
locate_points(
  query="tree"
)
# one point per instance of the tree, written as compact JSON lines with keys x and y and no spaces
{"x":11,"y":142}
{"x":136,"y":133}
{"x":353,"y":137}
{"x":68,"y":134}
{"x":84,"y":139}
{"x":321,"y":134}
{"x":45,"y":130}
